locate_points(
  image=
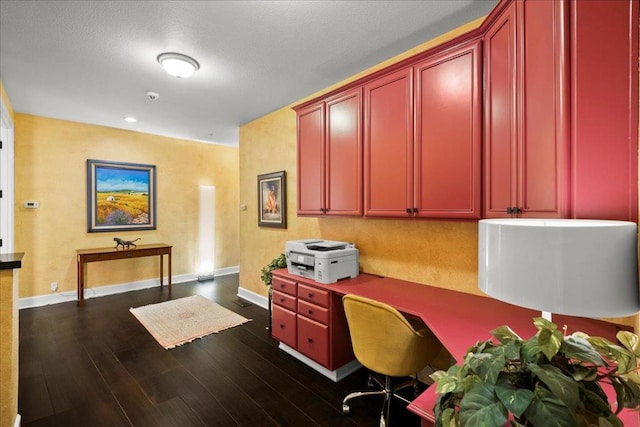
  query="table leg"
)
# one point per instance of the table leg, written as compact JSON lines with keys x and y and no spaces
{"x":169,"y":270}
{"x":161,"y":269}
{"x":80,"y":282}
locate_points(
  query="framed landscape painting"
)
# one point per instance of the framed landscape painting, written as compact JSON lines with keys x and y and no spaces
{"x":120,"y":196}
{"x":272,"y":203}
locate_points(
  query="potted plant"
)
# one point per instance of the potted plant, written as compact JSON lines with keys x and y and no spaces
{"x":265,"y":275}
{"x":549,"y":379}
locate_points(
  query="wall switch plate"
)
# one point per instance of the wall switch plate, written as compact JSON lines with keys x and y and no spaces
{"x":30,"y":204}
{"x":54,"y":286}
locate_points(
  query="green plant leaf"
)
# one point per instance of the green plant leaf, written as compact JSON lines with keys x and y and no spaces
{"x":625,"y":359}
{"x":627,"y":393}
{"x":481,"y":407}
{"x":542,"y":323}
{"x":487,"y":366}
{"x":596,"y":411}
{"x":548,"y":411}
{"x":585,"y":373}
{"x":504,"y":334}
{"x":562,"y":386}
{"x":550,"y":341}
{"x":577,"y":347}
{"x":515,"y":399}
{"x":530,"y":351}
{"x":448,"y":384}
{"x":630,"y":341}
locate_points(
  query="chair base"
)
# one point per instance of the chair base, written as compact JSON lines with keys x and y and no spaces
{"x":386,"y":390}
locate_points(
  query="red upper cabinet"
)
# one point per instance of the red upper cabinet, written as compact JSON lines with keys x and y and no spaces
{"x":526,"y":115}
{"x":604,"y":88}
{"x":388,"y":150}
{"x":447,"y":158}
{"x":330,"y":156}
{"x":311,"y":175}
{"x":430,"y":167}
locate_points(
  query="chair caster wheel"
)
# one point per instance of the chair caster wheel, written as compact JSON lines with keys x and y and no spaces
{"x":345,"y":409}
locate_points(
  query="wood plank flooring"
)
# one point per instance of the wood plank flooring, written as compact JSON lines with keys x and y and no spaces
{"x":98,"y":366}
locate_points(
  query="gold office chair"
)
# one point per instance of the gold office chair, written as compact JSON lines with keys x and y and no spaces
{"x":385,"y":343}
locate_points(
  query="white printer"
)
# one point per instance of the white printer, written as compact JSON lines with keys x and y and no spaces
{"x":325,"y":261}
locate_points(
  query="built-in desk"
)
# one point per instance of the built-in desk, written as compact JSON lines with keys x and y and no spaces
{"x":108,"y":254}
{"x":459,"y":320}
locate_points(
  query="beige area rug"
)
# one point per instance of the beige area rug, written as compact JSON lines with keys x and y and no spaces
{"x":176,"y":322}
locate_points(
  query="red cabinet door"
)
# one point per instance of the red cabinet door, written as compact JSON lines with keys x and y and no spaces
{"x":313,"y":340}
{"x":500,"y":136}
{"x":283,"y":325}
{"x":604,"y":71}
{"x":344,"y":154}
{"x":388,"y":148}
{"x":447,"y":155}
{"x":311,"y":152}
{"x":526,"y":112}
{"x":543,"y":119}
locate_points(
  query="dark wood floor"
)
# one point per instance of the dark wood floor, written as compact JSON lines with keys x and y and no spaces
{"x":98,"y":366}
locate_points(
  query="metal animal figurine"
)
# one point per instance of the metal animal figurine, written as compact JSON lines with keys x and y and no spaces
{"x":126,"y":244}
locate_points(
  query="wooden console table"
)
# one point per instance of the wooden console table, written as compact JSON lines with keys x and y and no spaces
{"x":107,"y":254}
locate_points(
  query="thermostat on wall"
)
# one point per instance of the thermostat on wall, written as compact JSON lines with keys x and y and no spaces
{"x":31,"y":204}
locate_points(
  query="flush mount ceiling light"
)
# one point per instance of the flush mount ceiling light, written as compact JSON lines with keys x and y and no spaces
{"x":177,"y":64}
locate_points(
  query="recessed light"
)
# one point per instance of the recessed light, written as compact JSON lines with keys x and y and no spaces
{"x":130,"y":119}
{"x":177,"y":64}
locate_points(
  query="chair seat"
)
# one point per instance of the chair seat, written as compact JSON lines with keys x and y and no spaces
{"x":386,"y":343}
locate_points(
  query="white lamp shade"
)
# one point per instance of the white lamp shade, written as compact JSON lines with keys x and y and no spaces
{"x":566,"y":266}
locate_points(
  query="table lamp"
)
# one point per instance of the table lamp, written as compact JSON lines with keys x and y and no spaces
{"x":575,"y":267}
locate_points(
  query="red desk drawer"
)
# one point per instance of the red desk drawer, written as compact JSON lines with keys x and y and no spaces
{"x":313,"y":340}
{"x":314,"y":312}
{"x":284,"y":285}
{"x":314,"y":295}
{"x":284,"y":300}
{"x":284,"y":325}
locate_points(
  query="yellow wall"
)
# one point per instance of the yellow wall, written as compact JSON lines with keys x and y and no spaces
{"x":50,"y":167}
{"x":434,"y":252}
{"x":4,"y":99}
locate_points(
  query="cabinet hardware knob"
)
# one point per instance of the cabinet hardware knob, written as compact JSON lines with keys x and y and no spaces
{"x":415,"y":210}
{"x":310,"y":340}
{"x":409,"y":210}
{"x":281,"y":299}
{"x":310,"y":295}
{"x":310,"y":311}
{"x":281,"y":325}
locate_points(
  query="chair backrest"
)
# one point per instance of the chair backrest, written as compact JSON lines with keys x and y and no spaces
{"x":384,"y":341}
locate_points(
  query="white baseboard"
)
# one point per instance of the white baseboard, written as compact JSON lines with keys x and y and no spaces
{"x":17,"y":421}
{"x":257,"y":299}
{"x":335,"y":376}
{"x":100,"y":291}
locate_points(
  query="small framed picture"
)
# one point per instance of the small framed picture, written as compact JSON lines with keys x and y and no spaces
{"x":272,"y":203}
{"x":120,"y":196}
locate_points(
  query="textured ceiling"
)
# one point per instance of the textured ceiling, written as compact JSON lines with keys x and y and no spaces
{"x":94,"y":61}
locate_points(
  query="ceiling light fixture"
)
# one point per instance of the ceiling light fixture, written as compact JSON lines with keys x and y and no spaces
{"x":130,"y":119}
{"x":178,"y":65}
